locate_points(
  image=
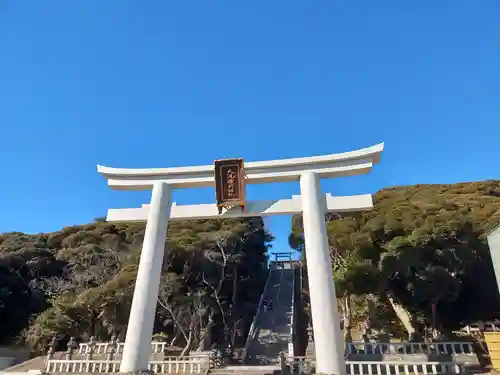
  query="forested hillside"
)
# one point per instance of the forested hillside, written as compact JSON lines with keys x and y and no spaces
{"x":421,"y":246}
{"x":79,"y":281}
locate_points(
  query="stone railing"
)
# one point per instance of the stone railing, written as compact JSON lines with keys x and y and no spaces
{"x":253,"y":326}
{"x":175,"y":367}
{"x":82,"y":365}
{"x":437,"y":348}
{"x":303,"y":365}
{"x":481,"y":327}
{"x":386,"y":368}
{"x":157,"y":347}
{"x":105,"y":357}
{"x":170,"y":365}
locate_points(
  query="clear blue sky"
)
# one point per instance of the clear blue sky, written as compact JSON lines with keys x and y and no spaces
{"x":174,"y":83}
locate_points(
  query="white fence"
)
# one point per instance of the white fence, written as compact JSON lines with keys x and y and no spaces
{"x":443,"y":348}
{"x":387,"y":368}
{"x":480,"y":327}
{"x":82,"y":365}
{"x":157,"y":347}
{"x":301,"y":365}
{"x":173,"y":365}
{"x":162,"y":367}
{"x":356,"y":347}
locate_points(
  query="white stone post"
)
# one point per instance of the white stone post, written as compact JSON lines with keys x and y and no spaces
{"x":325,"y":316}
{"x":137,"y":349}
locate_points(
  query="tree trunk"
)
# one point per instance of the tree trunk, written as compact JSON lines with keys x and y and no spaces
{"x":93,"y":324}
{"x":175,"y":338}
{"x":177,"y":323}
{"x":371,"y":316}
{"x":233,"y":306}
{"x":189,"y":342}
{"x":405,"y":318}
{"x":206,"y":335}
{"x":235,"y":286}
{"x":347,"y":315}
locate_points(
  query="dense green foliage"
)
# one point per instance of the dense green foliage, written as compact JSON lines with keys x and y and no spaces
{"x":421,"y":245}
{"x":79,"y":281}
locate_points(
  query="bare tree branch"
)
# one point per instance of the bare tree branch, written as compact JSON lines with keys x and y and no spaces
{"x":50,"y":286}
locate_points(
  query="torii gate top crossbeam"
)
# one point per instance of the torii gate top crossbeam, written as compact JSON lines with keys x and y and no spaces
{"x":334,"y":165}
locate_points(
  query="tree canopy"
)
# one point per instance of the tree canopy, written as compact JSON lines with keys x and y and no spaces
{"x":421,"y":246}
{"x":79,"y":281}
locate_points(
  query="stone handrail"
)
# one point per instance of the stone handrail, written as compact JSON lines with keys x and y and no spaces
{"x":299,"y":365}
{"x":170,"y":365}
{"x":277,"y":300}
{"x":444,"y":348}
{"x":251,"y":331}
{"x":291,"y":349}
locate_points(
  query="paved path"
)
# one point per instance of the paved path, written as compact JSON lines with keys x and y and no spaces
{"x":272,"y":327}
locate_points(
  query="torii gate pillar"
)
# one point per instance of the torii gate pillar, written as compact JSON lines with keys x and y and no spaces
{"x":137,"y":349}
{"x":325,"y":316}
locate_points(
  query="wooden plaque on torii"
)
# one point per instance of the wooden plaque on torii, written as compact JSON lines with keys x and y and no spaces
{"x":230,"y":183}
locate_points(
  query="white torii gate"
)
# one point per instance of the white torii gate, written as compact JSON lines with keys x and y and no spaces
{"x":311,"y":203}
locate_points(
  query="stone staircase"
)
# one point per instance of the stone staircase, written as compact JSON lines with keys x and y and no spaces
{"x":272,"y":333}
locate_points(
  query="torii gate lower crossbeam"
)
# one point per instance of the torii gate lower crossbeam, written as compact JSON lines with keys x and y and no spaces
{"x":312,"y":203}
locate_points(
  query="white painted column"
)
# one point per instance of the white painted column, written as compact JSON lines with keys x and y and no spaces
{"x":137,"y":350}
{"x":325,"y":316}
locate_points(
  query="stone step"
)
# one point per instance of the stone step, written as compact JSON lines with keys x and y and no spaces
{"x":243,"y":372}
{"x":249,"y":368}
{"x":246,"y":370}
